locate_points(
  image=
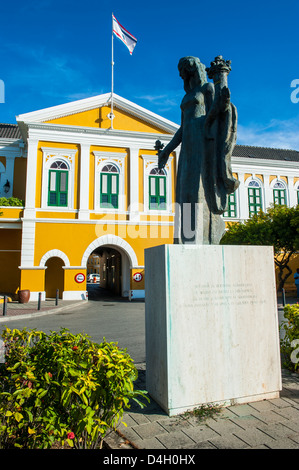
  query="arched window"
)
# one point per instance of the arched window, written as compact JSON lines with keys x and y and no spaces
{"x":279,"y":193}
{"x":58,"y":184}
{"x":157,"y":189}
{"x":254,"y":197}
{"x":109,"y":192}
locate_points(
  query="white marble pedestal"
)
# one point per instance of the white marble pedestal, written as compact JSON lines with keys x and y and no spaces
{"x":211,"y":325}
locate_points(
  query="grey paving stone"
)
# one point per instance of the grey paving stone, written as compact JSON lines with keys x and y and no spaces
{"x":152,"y":443}
{"x":280,"y":402}
{"x":226,"y":413}
{"x":290,"y":413}
{"x":203,"y":445}
{"x":148,"y":430}
{"x":131,"y":435}
{"x":284,"y":444}
{"x":200,"y":433}
{"x":293,"y":425}
{"x":254,"y":437}
{"x":171,"y":424}
{"x":241,"y":410}
{"x":139,"y":418}
{"x":222,"y":426}
{"x":264,"y":405}
{"x":128,"y":420}
{"x":278,"y":431}
{"x":292,"y":401}
{"x":229,"y":441}
{"x":271,"y":417}
{"x":248,"y":421}
{"x":176,"y":440}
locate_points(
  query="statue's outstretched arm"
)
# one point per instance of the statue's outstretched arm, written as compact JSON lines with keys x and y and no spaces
{"x":170,"y":147}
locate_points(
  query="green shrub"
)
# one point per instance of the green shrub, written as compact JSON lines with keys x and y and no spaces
{"x":11,"y":201}
{"x":290,"y":342}
{"x":62,"y":387}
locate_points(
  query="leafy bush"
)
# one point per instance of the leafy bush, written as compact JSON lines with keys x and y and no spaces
{"x":290,"y":342}
{"x":11,"y":201}
{"x":62,"y":387}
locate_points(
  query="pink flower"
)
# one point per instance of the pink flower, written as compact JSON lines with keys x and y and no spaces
{"x":71,"y":435}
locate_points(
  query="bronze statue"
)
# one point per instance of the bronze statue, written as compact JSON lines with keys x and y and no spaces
{"x":207,"y":136}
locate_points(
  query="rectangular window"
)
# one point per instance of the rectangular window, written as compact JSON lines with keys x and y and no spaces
{"x":231,"y":206}
{"x":157,"y":192}
{"x":109,"y":190}
{"x":58,"y":188}
{"x":279,"y":196}
{"x":254,"y":201}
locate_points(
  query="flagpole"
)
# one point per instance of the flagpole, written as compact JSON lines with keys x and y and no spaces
{"x":112,"y":76}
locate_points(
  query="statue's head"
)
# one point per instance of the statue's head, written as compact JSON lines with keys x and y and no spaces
{"x":191,"y":69}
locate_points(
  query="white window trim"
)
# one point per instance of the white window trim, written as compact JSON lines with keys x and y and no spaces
{"x":50,"y":155}
{"x":261,"y":185}
{"x":149,"y":163}
{"x":102,"y":159}
{"x":279,"y":180}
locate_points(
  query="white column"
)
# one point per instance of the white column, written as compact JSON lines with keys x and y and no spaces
{"x":134,"y":185}
{"x":28,"y":243}
{"x":29,"y":211}
{"x":243,"y":198}
{"x":84,"y":182}
{"x":292,"y":193}
{"x":268,"y":192}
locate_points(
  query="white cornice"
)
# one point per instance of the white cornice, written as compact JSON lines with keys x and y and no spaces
{"x":92,"y":136}
{"x":266,"y":164}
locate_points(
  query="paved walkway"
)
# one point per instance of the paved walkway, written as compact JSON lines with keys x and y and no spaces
{"x":16,"y":310}
{"x":267,"y":424}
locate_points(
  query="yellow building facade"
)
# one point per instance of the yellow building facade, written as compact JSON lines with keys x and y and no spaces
{"x":92,"y":190}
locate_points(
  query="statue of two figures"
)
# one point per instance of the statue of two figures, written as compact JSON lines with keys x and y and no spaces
{"x":207,"y":137}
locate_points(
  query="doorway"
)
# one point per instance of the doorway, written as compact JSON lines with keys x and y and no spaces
{"x":54,"y":277}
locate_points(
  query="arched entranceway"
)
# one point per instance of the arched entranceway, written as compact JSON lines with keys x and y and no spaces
{"x":54,"y":277}
{"x":119,"y":258}
{"x":104,"y":268}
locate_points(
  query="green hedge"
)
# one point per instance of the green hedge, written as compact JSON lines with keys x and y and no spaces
{"x":11,"y":201}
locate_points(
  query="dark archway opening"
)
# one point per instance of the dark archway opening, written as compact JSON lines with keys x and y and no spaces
{"x":54,"y":277}
{"x":104,"y":273}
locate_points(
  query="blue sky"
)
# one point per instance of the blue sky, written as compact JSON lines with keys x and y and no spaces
{"x":54,"y":52}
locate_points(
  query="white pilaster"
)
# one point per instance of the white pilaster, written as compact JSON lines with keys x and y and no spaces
{"x":292,"y":193}
{"x":29,"y":211}
{"x":84,"y":182}
{"x":268,"y":192}
{"x":28,"y":243}
{"x":243,"y":210}
{"x":134,"y":185}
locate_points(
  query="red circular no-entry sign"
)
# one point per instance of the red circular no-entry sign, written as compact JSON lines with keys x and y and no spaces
{"x":137,"y":277}
{"x":80,"y":277}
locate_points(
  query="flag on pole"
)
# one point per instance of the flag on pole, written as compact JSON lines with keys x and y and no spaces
{"x":127,"y":38}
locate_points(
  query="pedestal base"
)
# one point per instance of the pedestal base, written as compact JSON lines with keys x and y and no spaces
{"x":211,"y":325}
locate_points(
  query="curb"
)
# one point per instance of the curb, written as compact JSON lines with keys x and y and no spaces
{"x":41,"y":314}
